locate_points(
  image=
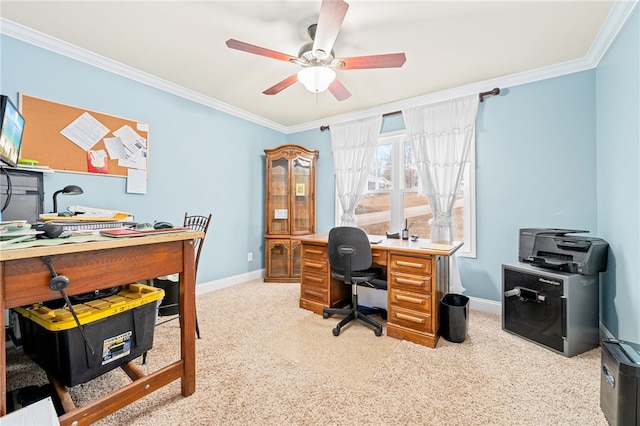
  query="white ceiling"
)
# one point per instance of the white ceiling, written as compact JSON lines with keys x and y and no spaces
{"x":448,"y":44}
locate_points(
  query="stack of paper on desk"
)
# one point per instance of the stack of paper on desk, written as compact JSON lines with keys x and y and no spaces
{"x":81,"y":213}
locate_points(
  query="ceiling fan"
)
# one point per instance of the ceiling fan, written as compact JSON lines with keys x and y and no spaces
{"x":317,"y":57}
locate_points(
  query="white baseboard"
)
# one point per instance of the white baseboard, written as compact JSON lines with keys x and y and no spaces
{"x":229,"y":281}
{"x":485,"y":305}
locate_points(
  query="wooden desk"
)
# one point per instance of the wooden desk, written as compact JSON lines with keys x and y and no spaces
{"x":417,"y":278}
{"x":110,"y":262}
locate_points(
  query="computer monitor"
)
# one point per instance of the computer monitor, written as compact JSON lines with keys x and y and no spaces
{"x":11,"y":130}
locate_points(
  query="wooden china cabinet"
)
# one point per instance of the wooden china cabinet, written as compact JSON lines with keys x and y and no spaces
{"x":290,"y":209}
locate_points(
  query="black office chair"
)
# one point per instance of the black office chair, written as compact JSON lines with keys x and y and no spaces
{"x":350,"y":261}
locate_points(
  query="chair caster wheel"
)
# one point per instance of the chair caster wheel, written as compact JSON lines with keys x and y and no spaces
{"x":378,"y":332}
{"x":336,"y":331}
{"x":325,"y":315}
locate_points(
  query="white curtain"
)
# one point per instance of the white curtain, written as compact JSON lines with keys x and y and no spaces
{"x":353,"y":145}
{"x":441,"y":137}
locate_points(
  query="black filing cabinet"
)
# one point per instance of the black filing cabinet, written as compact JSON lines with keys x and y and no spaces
{"x":620,"y":382}
{"x":25,"y":191}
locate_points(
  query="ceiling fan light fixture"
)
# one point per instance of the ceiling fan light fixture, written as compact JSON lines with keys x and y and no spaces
{"x":316,"y":79}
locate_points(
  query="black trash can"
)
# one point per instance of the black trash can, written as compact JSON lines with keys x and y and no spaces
{"x":170,"y":304}
{"x":454,"y":317}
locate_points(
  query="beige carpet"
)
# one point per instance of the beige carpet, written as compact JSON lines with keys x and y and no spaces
{"x":262,"y":360}
{"x":305,"y":343}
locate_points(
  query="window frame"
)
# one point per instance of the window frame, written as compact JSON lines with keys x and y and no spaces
{"x":468,"y":249}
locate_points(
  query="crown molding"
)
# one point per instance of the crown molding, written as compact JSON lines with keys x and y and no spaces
{"x":616,"y":19}
{"x":55,"y":45}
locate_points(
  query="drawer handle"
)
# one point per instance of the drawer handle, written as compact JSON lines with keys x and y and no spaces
{"x":314,"y":265}
{"x":410,"y":264}
{"x":410,"y":282}
{"x":316,"y":279}
{"x":315,"y":251}
{"x":410,"y":318}
{"x":410,"y":299}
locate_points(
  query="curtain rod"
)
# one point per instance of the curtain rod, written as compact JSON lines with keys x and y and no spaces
{"x":493,"y":92}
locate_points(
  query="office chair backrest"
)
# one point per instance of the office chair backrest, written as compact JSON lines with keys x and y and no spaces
{"x":349,"y":249}
{"x":197,"y":223}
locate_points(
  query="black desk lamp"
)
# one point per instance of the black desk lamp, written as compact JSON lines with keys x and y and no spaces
{"x":67,"y":190}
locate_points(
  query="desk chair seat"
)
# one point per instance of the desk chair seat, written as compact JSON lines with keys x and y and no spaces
{"x":350,"y":260}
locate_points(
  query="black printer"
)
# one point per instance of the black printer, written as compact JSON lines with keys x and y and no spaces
{"x":552,"y":248}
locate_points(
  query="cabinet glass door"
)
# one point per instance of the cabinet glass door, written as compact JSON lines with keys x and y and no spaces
{"x":278,"y":258}
{"x":302,"y":185}
{"x":278,"y":213}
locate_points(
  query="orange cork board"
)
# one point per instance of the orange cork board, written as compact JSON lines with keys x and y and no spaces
{"x":61,"y":136}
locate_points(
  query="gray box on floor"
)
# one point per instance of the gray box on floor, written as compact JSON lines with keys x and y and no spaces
{"x":620,"y":383}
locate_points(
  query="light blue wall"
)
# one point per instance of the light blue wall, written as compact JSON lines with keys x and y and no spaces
{"x":200,"y":160}
{"x":618,"y":152}
{"x":536,"y":167}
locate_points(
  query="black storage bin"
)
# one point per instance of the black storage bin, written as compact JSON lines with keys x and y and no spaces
{"x":119,"y":328}
{"x":170,"y":304}
{"x":454,"y":317}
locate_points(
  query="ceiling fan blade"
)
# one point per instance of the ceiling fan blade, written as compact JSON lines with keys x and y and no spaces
{"x":278,"y":87}
{"x":257,"y":50}
{"x":332,"y":14}
{"x":338,"y":90}
{"x":390,"y":60}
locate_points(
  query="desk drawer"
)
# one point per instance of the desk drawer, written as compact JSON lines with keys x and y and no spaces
{"x":409,"y":282}
{"x":420,"y":303}
{"x":316,"y":294}
{"x":315,"y":252}
{"x":378,"y":257}
{"x":314,"y":259}
{"x":410,"y":319}
{"x":314,"y":287}
{"x":315,"y":266}
{"x":410,"y":264}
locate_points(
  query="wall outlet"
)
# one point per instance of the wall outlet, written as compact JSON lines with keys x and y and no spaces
{"x":250,"y":256}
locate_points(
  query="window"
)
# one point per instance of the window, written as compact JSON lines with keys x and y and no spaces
{"x":392,"y":196}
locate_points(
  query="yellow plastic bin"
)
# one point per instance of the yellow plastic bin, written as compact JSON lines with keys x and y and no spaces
{"x":119,"y":328}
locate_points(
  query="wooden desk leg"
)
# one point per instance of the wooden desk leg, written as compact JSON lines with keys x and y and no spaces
{"x":188,"y":319}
